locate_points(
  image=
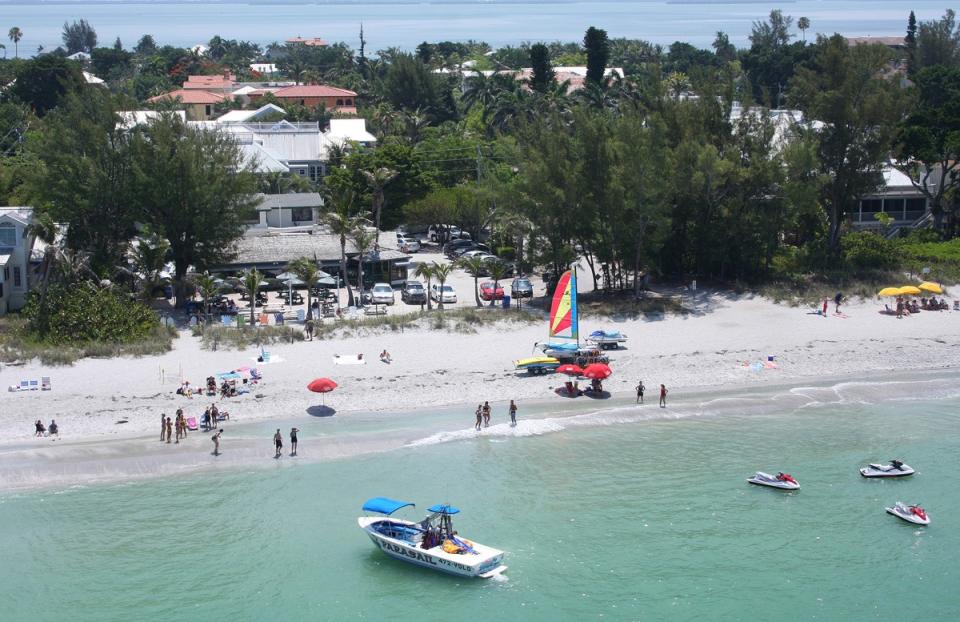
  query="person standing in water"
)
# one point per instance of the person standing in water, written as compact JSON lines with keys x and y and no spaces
{"x":486,"y":414}
{"x":663,"y":396}
{"x":513,"y":414}
{"x":479,"y":417}
{"x":640,"y":390}
{"x":169,"y":429}
{"x":293,"y":441}
{"x":216,"y":442}
{"x":278,"y":442}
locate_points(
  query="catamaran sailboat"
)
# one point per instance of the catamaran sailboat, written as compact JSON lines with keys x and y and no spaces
{"x":431,"y":543}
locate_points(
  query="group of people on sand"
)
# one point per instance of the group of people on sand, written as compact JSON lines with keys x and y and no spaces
{"x":177,"y":428}
{"x":910,"y":307}
{"x":641,"y":389}
{"x":51,"y":430}
{"x":483,"y":415}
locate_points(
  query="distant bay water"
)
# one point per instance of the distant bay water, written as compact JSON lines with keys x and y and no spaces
{"x":405,"y":24}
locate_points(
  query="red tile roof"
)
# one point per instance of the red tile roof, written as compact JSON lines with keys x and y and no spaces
{"x":312,"y":90}
{"x":189,"y":96}
{"x":209,"y":82}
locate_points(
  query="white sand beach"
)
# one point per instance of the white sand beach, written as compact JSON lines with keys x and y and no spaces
{"x":430,"y":368}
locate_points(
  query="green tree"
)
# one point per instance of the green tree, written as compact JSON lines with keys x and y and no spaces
{"x":15,"y":34}
{"x":377,"y":179}
{"x":938,"y":42}
{"x":911,"y":44}
{"x":191,"y":187}
{"x":149,"y":257}
{"x":598,"y":53}
{"x":803,"y":24}
{"x":146,"y":46}
{"x":543,"y":74}
{"x":341,"y":223}
{"x":722,"y":47}
{"x":252,"y":282}
{"x":475,"y":267}
{"x":362,"y":240}
{"x":928,"y":146}
{"x":79,"y":37}
{"x":43,"y":82}
{"x":426,"y":271}
{"x":858,"y":113}
{"x":85,"y":178}
{"x":307,"y":271}
{"x":207,"y":287}
{"x":498,"y":271}
{"x":441,"y":272}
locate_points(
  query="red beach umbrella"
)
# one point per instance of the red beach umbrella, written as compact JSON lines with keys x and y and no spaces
{"x":322,"y":385}
{"x":597,"y":371}
{"x":570,"y":369}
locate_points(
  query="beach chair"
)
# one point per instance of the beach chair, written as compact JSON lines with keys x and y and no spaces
{"x":45,"y":383}
{"x":192,"y":424}
{"x":34,"y":385}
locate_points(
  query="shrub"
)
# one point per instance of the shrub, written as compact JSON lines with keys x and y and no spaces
{"x":866,"y":250}
{"x":82,"y":312}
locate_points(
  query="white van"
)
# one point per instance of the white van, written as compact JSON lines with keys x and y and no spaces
{"x":449,"y":294}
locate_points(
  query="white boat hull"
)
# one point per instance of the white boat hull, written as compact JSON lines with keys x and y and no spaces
{"x":485,"y":564}
{"x":877,"y":470}
{"x":907,"y":515}
{"x":770,"y":481}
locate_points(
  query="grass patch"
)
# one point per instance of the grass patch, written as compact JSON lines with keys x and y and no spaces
{"x":217,"y":337}
{"x":811,"y":289}
{"x":18,"y":346}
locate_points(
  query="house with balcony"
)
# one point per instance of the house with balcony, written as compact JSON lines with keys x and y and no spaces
{"x":16,"y":257}
{"x":898,"y":197}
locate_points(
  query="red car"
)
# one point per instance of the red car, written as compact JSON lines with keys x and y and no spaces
{"x":490,"y":291}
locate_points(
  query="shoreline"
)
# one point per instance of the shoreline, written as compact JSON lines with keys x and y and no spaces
{"x":64,"y":464}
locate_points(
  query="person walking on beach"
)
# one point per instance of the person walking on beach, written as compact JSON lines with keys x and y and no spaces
{"x":169,"y":429}
{"x":479,"y":417}
{"x":177,"y":425}
{"x":486,"y":414}
{"x":278,"y":442}
{"x":183,"y":423}
{"x":837,"y":300}
{"x":163,"y":427}
{"x":663,"y":396}
{"x":826,"y":303}
{"x":216,"y":442}
{"x":640,"y":390}
{"x":293,"y":441}
{"x":214,"y":413}
{"x":513,"y":414}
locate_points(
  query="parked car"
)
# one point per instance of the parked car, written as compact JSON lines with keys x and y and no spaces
{"x":382,"y":294}
{"x":475,"y":253}
{"x":474,"y":246}
{"x":413,"y":293}
{"x":453,"y":245}
{"x":407,"y":243}
{"x":449,"y":294}
{"x":437,"y":233}
{"x":521,"y":288}
{"x":491,"y":291}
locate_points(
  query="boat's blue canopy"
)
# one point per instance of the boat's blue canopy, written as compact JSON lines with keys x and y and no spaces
{"x":443,"y":508}
{"x":609,"y":334}
{"x":382,"y":505}
{"x":562,"y":346}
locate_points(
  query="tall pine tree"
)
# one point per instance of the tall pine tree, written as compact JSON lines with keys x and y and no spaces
{"x":598,"y":53}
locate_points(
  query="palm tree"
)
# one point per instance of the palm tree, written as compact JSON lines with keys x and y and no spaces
{"x":341,"y":224}
{"x":252,"y":280}
{"x":498,"y":270}
{"x":4,"y":48}
{"x":307,"y":271}
{"x":441,"y":271}
{"x":803,"y":23}
{"x":149,"y":258}
{"x":474,"y":267}
{"x":377,"y":179}
{"x":15,"y":35}
{"x":425,"y":271}
{"x":208,"y":288}
{"x":362,"y":241}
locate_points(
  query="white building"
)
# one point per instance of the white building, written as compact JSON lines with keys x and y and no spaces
{"x":16,"y":259}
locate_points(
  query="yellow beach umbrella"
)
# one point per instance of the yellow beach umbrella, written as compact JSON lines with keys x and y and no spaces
{"x":889,"y":291}
{"x":910,"y":290}
{"x":933,"y":288}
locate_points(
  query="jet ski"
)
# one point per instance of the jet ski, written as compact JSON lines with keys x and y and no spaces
{"x":784,"y":481}
{"x":894,"y":469}
{"x":910,"y":513}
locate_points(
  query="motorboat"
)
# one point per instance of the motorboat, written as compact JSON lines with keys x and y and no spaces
{"x":431,"y":542}
{"x":910,"y":513}
{"x":894,"y":469}
{"x":607,"y":339}
{"x":783,"y":481}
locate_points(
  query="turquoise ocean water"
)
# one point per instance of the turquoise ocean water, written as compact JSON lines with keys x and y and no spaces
{"x":405,"y":24}
{"x":617,"y":514}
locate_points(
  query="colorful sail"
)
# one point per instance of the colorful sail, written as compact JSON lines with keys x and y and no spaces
{"x":563,"y":311}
